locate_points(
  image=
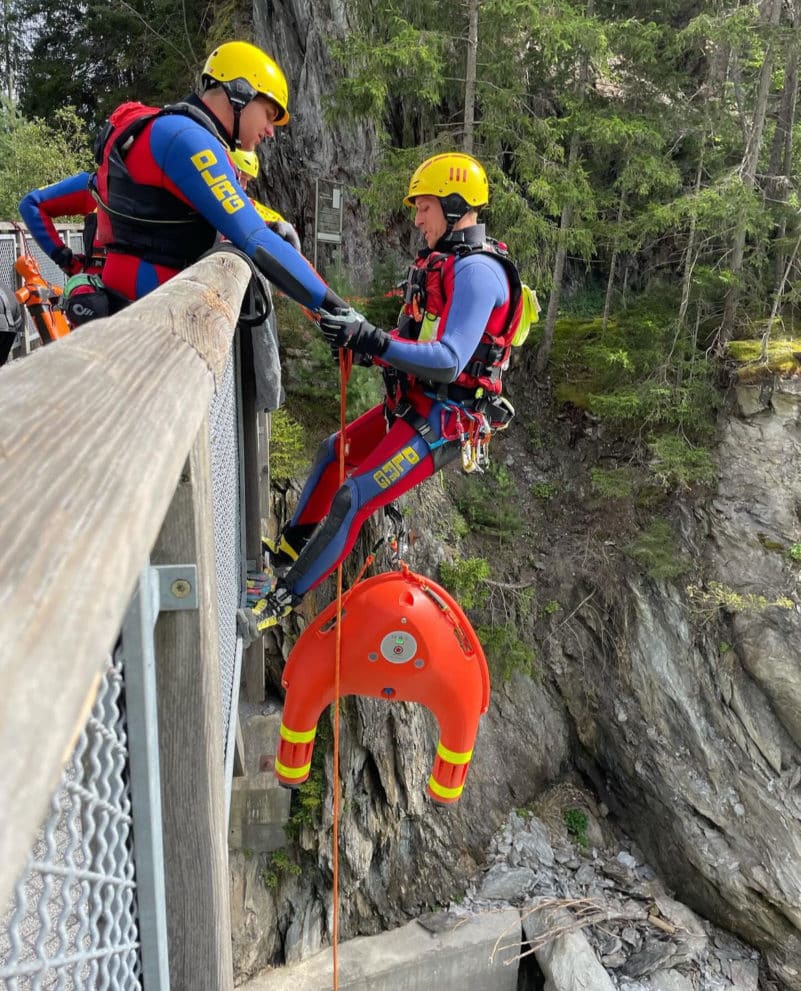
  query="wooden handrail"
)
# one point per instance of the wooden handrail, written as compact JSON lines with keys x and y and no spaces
{"x":94,"y":432}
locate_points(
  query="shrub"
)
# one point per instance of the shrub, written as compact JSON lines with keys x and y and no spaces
{"x":544,"y":490}
{"x":288,"y":456}
{"x":489,"y":502}
{"x":365,"y":390}
{"x":613,"y":483}
{"x":708,"y":601}
{"x":465,"y":578}
{"x":280,"y":864}
{"x":678,"y":464}
{"x":506,"y":652}
{"x":576,"y":821}
{"x":654,"y":549}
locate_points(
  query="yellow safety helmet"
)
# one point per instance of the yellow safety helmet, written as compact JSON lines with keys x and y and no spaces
{"x":457,"y":180}
{"x":245,"y":71}
{"x":246,"y":161}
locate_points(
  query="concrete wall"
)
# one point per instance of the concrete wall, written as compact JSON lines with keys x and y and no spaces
{"x":470,"y":955}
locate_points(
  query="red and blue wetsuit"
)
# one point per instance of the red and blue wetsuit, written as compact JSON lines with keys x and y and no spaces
{"x":167,"y":187}
{"x":67,"y":198}
{"x":383,"y":462}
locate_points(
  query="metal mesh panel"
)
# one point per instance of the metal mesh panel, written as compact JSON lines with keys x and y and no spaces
{"x":50,"y":271}
{"x":224,"y":441}
{"x":8,"y":255}
{"x":72,"y":924}
{"x":74,"y":240}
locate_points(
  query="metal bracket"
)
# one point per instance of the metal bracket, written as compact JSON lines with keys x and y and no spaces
{"x":177,"y":584}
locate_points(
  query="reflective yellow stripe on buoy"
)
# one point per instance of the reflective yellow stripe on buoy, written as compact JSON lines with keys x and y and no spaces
{"x":452,"y":757}
{"x":292,"y":772}
{"x":443,"y":792}
{"x":295,"y":736}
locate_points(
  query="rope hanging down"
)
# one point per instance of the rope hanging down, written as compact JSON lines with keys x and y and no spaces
{"x":345,"y":365}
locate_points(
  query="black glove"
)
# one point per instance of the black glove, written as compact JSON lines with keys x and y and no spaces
{"x":69,"y":263}
{"x":349,"y":329}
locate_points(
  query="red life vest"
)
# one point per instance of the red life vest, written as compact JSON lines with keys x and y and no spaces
{"x":428,"y":296}
{"x":140,"y":218}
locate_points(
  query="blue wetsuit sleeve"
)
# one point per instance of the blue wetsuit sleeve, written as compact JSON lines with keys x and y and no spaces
{"x":479,"y":285}
{"x":198,"y":165}
{"x":37,"y":208}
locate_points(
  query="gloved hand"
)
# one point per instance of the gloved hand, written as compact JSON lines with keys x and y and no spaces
{"x":69,"y":263}
{"x":285,"y":230}
{"x":349,"y":329}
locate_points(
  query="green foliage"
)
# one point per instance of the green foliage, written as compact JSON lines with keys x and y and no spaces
{"x":676,"y":464}
{"x":379,"y":66}
{"x":794,"y":552}
{"x":654,"y":549}
{"x":383,"y":309}
{"x":365,"y":390}
{"x":783,"y":358}
{"x":551,"y":607}
{"x":489,"y":502}
{"x":544,"y":490}
{"x":306,"y":806}
{"x":576,"y":821}
{"x":288,"y":457}
{"x":614,"y":483}
{"x":620,"y":374}
{"x":280,"y":865}
{"x":716,"y":597}
{"x":506,"y":652}
{"x":36,"y":152}
{"x":465,"y":579}
{"x":95,"y":54}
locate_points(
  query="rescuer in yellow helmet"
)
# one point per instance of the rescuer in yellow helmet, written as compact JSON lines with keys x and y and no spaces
{"x":443,"y":367}
{"x":166,"y":186}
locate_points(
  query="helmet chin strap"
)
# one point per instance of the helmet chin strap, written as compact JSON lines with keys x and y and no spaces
{"x":239,"y":96}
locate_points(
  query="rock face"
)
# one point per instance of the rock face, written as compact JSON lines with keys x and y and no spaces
{"x":685,"y":716}
{"x":690,"y":725}
{"x":298,"y":33}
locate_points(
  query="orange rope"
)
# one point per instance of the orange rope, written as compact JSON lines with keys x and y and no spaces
{"x":345,"y":363}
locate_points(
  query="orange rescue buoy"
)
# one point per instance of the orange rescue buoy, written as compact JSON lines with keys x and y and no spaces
{"x":404,"y":639}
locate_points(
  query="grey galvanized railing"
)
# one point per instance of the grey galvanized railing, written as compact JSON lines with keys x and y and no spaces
{"x":122,"y":558}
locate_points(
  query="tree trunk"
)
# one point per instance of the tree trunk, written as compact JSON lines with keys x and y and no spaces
{"x":771,"y":15}
{"x":470,"y":76}
{"x":781,"y":159}
{"x":613,"y":264}
{"x":8,"y":68}
{"x":544,"y":350}
{"x":690,"y":256}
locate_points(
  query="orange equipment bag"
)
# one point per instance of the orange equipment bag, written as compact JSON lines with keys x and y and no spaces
{"x":404,"y":639}
{"x":41,"y":299}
